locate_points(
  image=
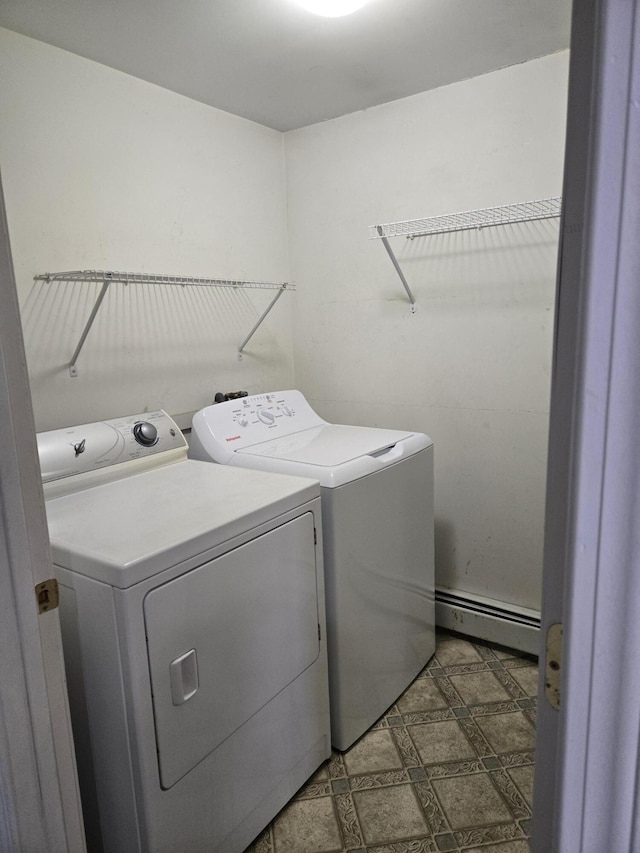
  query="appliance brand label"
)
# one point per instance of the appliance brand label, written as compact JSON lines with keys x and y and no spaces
{"x":233,"y":438}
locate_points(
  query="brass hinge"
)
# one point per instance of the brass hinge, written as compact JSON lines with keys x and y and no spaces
{"x":47,"y":595}
{"x":553,"y":662}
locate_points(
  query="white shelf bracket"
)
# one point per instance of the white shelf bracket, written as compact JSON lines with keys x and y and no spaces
{"x":260,"y":320}
{"x":73,"y":370}
{"x":395,"y":263}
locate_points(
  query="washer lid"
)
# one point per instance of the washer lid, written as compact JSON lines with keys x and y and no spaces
{"x":319,"y":454}
{"x":328,"y":446}
{"x":123,"y":532}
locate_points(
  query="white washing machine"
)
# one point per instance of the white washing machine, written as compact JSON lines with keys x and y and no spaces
{"x":377,"y":507}
{"x":193,"y":620}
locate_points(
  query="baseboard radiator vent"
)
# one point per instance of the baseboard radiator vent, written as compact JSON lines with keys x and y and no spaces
{"x":488,"y":619}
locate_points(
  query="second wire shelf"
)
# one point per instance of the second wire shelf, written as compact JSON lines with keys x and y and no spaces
{"x":508,"y":214}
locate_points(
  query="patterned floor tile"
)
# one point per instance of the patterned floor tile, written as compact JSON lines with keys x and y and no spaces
{"x":453,"y":650}
{"x":335,"y":766}
{"x":471,"y":838}
{"x":507,"y":732}
{"x":527,"y":678}
{"x":469,"y":801}
{"x":509,"y":847}
{"x":422,"y":695}
{"x":349,"y":823}
{"x":373,"y":753}
{"x":309,"y":825}
{"x":390,"y":813}
{"x":318,"y":785}
{"x":441,"y":742}
{"x":517,"y":804}
{"x":478,"y":687}
{"x":503,"y":654}
{"x":523,"y":778}
{"x":448,"y":768}
{"x":422,"y":845}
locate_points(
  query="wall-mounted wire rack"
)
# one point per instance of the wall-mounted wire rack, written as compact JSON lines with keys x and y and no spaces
{"x":509,"y":214}
{"x":106,"y":278}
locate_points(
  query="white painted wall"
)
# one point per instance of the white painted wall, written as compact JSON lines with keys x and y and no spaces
{"x":471,"y":367}
{"x":104,"y":171}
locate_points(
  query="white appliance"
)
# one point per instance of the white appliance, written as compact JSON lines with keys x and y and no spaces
{"x":193,"y":620}
{"x":377,"y":508}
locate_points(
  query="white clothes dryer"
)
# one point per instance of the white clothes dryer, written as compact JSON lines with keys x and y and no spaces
{"x":378,"y":530}
{"x":193,"y":621}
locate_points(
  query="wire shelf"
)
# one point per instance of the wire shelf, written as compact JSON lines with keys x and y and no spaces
{"x":526,"y":211}
{"x":108,"y":277}
{"x":117,"y":277}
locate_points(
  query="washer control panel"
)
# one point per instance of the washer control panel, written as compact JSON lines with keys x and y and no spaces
{"x":250,"y":420}
{"x":89,"y":447}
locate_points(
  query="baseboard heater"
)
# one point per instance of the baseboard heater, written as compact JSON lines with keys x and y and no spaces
{"x":488,"y":619}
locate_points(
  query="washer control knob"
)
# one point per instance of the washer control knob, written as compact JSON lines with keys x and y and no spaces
{"x":266,"y":417}
{"x":145,"y":433}
{"x":286,"y":411}
{"x":242,"y":421}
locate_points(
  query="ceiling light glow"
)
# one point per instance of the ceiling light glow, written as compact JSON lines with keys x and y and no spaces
{"x":331,"y":8}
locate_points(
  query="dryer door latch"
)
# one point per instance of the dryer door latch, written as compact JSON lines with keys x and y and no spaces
{"x":47,"y":596}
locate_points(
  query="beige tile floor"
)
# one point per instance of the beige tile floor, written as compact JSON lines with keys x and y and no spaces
{"x":449,"y":767}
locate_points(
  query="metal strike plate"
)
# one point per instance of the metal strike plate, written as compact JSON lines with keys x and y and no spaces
{"x":553,"y":668}
{"x":47,"y":595}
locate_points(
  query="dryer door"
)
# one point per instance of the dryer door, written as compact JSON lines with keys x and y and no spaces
{"x":225,"y":638}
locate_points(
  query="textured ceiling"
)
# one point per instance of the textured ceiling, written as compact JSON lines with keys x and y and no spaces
{"x":276,"y":64}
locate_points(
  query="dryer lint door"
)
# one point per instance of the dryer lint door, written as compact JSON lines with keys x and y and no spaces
{"x":225,"y":638}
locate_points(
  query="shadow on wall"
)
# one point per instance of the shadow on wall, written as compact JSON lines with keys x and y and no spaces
{"x":161,"y":344}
